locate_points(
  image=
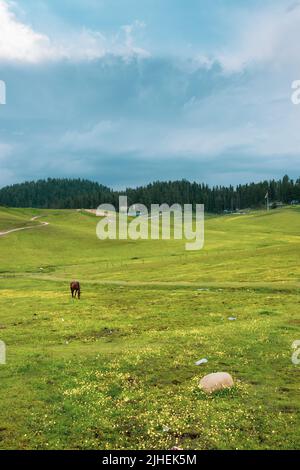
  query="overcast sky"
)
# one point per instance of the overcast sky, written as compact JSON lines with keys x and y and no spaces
{"x":129,"y":91}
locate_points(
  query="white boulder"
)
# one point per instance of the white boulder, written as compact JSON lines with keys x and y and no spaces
{"x":217,"y":381}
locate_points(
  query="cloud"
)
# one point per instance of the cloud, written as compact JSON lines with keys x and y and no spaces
{"x":5,"y":151}
{"x":293,"y":6}
{"x":20,"y":43}
{"x":263,"y":37}
{"x":199,"y":143}
{"x":129,"y":44}
{"x":223,"y":117}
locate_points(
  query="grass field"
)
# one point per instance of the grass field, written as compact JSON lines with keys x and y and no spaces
{"x":116,"y":370}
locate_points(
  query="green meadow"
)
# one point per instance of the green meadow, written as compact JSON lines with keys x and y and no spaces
{"x":116,"y":370}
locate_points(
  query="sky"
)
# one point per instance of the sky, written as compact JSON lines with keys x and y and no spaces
{"x":125,"y":92}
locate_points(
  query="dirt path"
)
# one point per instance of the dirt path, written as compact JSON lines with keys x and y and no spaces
{"x":199,"y":285}
{"x":29,"y":227}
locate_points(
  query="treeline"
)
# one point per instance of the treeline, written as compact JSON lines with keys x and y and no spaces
{"x":80,"y":193}
{"x":55,"y":193}
{"x":217,"y":198}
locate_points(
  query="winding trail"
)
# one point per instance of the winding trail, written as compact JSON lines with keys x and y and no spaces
{"x":29,"y":227}
{"x":277,"y":286}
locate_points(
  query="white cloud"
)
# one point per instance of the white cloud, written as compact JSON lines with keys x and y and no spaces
{"x":265,"y":37}
{"x":19,"y":42}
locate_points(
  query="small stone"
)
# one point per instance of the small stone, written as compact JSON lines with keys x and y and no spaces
{"x":202,"y":361}
{"x":217,"y":381}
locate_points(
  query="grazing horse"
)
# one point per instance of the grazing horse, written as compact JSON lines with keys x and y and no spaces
{"x":75,"y":289}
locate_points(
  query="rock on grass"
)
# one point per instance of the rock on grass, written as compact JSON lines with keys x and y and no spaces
{"x":217,"y":381}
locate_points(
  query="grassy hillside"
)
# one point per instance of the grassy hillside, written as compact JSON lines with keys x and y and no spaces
{"x":116,"y":370}
{"x":13,"y":219}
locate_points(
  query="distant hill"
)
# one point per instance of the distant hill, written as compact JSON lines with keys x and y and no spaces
{"x":56,"y":193}
{"x":81,"y":193}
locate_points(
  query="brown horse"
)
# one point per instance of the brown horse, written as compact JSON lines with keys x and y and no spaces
{"x":75,"y":289}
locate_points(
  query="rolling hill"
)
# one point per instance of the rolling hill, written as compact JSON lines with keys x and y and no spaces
{"x":116,"y":370}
